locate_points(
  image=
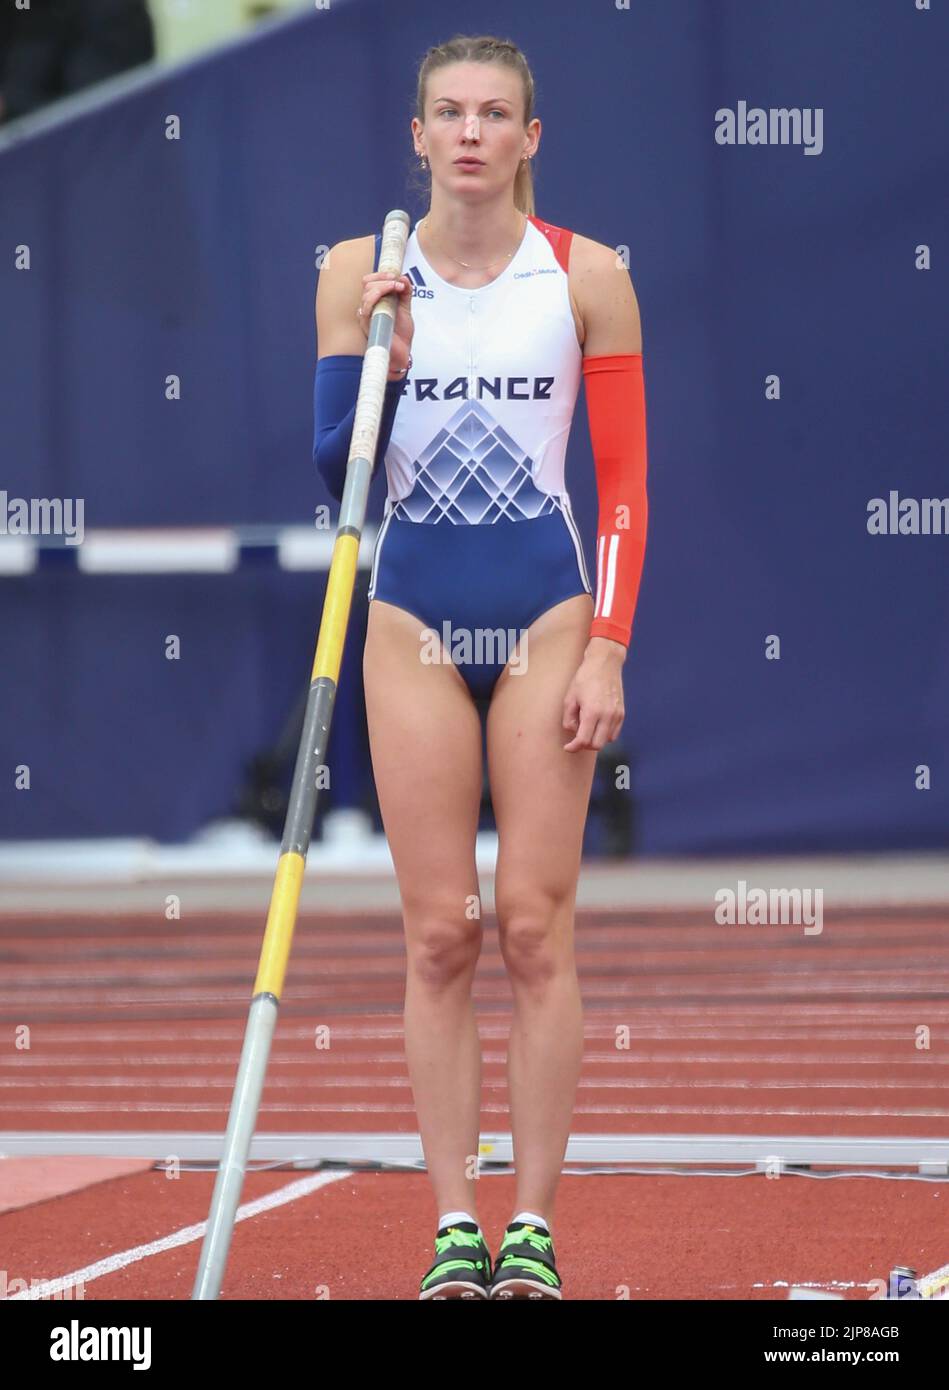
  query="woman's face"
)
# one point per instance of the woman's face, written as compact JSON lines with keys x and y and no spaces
{"x":474,"y":109}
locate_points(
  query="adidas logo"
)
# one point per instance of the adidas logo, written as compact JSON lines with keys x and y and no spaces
{"x":419,"y":288}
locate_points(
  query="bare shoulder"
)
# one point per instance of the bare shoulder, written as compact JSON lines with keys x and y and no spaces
{"x":357,"y":251}
{"x":338,"y":292}
{"x":603,"y":292}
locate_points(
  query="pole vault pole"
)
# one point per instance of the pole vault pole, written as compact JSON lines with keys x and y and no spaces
{"x":285,"y":896}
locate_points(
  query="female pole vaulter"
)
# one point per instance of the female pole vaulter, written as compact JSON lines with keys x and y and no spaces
{"x":500,"y":315}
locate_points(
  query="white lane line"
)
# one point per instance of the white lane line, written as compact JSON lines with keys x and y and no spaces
{"x":620,"y":1057}
{"x":825,"y":1284}
{"x":294,"y":1190}
{"x":909,"y":981}
{"x":395,"y":1107}
{"x":493,"y":1083}
{"x":823,"y":1016}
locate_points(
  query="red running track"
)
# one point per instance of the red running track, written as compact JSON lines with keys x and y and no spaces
{"x":135,"y":1023}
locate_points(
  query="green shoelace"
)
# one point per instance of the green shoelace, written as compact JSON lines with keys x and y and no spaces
{"x":449,"y":1241}
{"x":530,"y":1236}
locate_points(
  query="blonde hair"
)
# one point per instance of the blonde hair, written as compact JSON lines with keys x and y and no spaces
{"x":484,"y":48}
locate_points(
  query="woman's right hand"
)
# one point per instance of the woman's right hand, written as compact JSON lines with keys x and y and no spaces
{"x":375,"y":286}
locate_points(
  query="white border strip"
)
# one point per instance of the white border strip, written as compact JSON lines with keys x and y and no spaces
{"x":230,"y":867}
{"x":930,"y":1155}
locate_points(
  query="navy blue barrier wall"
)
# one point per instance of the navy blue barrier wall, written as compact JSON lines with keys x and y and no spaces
{"x":196,"y":257}
{"x":121,"y":740}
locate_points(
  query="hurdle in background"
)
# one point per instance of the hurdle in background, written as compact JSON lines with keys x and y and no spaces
{"x":158,"y":550}
{"x":285,"y":896}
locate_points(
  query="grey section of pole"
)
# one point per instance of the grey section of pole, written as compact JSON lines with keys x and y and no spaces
{"x":304,"y":791}
{"x":262,"y":1020}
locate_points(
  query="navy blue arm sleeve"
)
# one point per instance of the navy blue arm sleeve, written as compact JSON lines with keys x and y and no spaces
{"x":335,"y":389}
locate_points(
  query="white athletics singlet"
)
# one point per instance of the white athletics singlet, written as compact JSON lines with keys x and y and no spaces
{"x":479,"y":438}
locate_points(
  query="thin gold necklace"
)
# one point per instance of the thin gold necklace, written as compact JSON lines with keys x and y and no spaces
{"x":424,"y":222}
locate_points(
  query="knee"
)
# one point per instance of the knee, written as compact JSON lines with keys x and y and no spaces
{"x":532,"y":937}
{"x":442,"y":947}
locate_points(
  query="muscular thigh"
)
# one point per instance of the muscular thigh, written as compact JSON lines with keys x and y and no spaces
{"x":540,"y":793}
{"x":425,"y":740}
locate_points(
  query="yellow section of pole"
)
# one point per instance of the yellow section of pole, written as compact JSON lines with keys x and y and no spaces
{"x":281,"y":919}
{"x":336,"y":605}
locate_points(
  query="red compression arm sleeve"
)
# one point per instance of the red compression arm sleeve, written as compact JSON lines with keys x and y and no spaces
{"x":616,"y":408}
